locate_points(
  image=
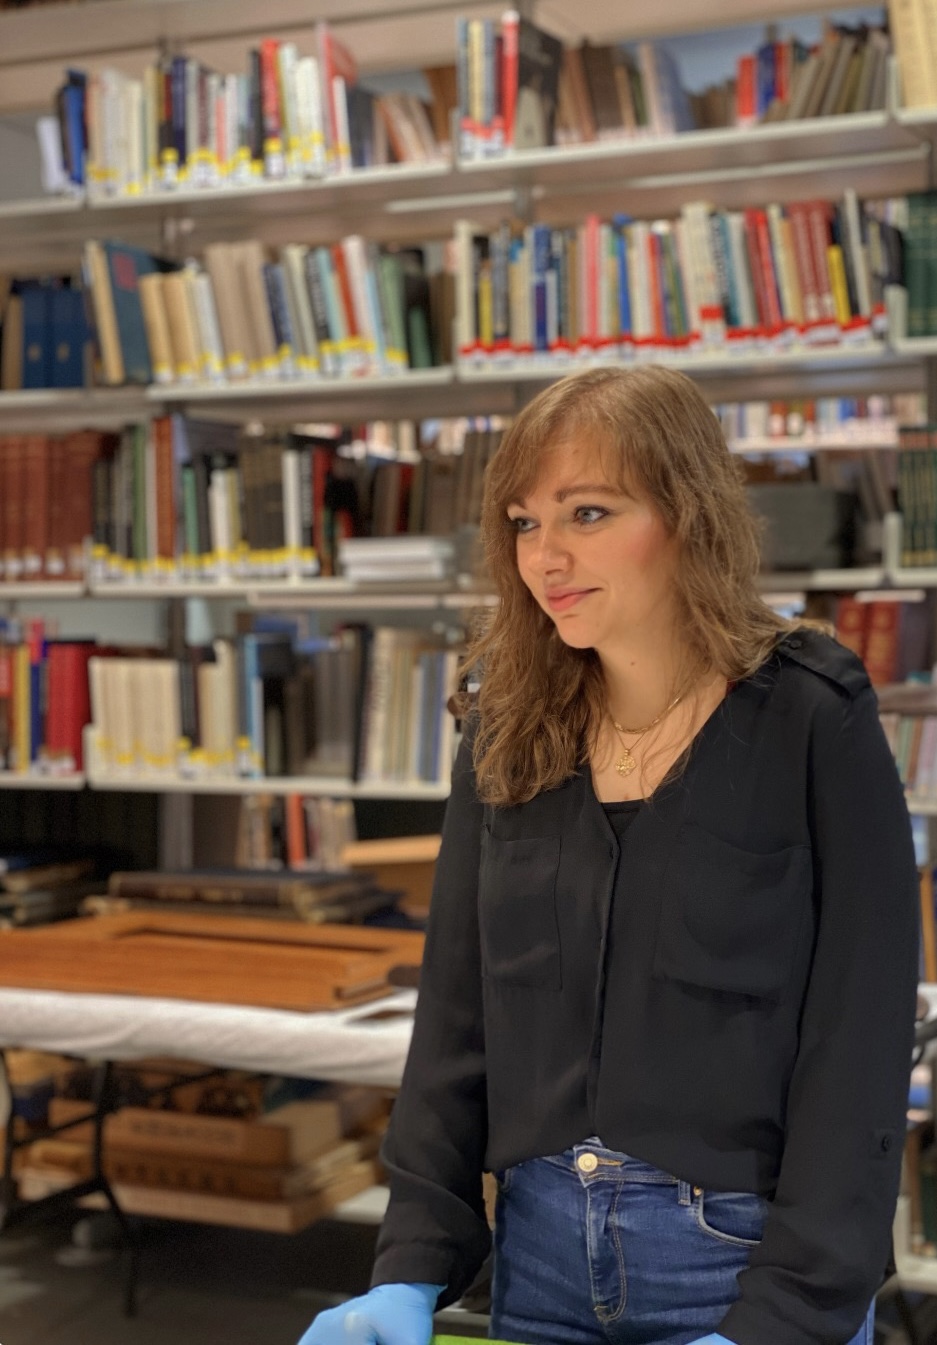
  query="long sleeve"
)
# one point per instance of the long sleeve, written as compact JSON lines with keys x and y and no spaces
{"x":435,"y":1228}
{"x":827,"y":1235}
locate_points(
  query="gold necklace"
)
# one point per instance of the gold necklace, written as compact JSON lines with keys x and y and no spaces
{"x":626,"y":763}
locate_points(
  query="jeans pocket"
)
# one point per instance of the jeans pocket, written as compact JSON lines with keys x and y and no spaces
{"x":503,"y":1179}
{"x":732,"y":1216}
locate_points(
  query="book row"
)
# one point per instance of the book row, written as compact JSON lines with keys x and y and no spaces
{"x":917,"y":493}
{"x":350,"y":309}
{"x":913,"y":740}
{"x":893,"y":638}
{"x":805,"y":274}
{"x":813,"y":422}
{"x":711,"y":282}
{"x":513,"y":85}
{"x":289,"y":115}
{"x":364,"y":704}
{"x":520,"y":88}
{"x":174,"y":498}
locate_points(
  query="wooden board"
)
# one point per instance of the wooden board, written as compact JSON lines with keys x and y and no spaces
{"x":264,"y":963}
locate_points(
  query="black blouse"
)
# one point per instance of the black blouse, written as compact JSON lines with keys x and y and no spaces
{"x":759,"y":945}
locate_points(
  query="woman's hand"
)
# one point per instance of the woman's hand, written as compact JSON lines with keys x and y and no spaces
{"x":388,"y":1314}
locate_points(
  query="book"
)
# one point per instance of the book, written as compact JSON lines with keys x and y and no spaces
{"x":533,"y":58}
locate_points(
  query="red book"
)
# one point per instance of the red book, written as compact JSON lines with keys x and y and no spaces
{"x":270,"y":89}
{"x":295,"y":817}
{"x":882,"y":642}
{"x":510,"y":25}
{"x":165,"y":489}
{"x":769,"y":270}
{"x":803,"y":260}
{"x":746,"y":98}
{"x":55,"y":560}
{"x":68,"y":700}
{"x":334,"y":59}
{"x":656,"y":282}
{"x":11,"y":501}
{"x":818,"y":220}
{"x":850,"y":623}
{"x":344,"y":288}
{"x":35,"y":506}
{"x":756,"y":269}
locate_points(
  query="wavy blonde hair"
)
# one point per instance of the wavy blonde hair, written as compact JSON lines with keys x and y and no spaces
{"x":541,"y":702}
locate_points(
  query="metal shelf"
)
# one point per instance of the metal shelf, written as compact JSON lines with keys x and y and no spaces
{"x":10,"y":780}
{"x":72,"y":408}
{"x":278,"y":784}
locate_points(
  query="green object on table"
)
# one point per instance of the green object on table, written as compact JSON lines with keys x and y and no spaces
{"x":467,"y":1340}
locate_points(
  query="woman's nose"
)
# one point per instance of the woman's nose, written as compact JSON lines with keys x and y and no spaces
{"x":551,"y":551}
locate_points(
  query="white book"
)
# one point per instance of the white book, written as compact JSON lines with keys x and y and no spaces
{"x":211,"y":167}
{"x":152,"y":102}
{"x":858,"y":252}
{"x":466,"y":332}
{"x":232,"y":124}
{"x":309,"y":97}
{"x":642,"y":320}
{"x":375,"y":710}
{"x":686,"y":273}
{"x":226,"y":703}
{"x":342,"y":133}
{"x":119,"y":692}
{"x":294,"y":265}
{"x":607,"y":305}
{"x":219,"y":514}
{"x":287,"y":61}
{"x":211,"y":349}
{"x":100,"y":712}
{"x":136,"y":138}
{"x":55,"y":179}
{"x":292,"y":502}
{"x":191,"y":114}
{"x":741,"y":271}
{"x":356,"y":263}
{"x":783,"y":261}
{"x":446,"y":721}
{"x":207,"y":689}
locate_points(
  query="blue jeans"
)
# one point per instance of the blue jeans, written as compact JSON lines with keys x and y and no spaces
{"x":593,"y":1247}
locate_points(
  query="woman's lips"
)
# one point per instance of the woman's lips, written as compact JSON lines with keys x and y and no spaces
{"x":560,"y":600}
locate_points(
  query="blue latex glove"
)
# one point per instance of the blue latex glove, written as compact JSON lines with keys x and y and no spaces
{"x":388,"y":1314}
{"x":714,"y":1339}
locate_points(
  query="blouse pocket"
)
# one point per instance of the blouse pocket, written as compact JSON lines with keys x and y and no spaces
{"x":731,"y":918}
{"x":517,"y":911}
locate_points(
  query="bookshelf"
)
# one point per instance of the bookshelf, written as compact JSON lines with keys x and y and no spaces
{"x":883,"y":153}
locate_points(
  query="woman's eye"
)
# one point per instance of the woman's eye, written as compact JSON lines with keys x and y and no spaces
{"x":521,"y":524}
{"x":590,"y":513}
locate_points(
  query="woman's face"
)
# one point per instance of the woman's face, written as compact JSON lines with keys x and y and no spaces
{"x":599,"y":561}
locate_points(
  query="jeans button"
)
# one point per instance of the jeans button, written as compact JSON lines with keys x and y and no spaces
{"x":587,"y":1162}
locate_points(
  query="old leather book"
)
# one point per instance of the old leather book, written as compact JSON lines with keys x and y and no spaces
{"x":232,"y":961}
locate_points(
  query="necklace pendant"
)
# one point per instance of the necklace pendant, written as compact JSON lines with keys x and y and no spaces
{"x":626,"y":763}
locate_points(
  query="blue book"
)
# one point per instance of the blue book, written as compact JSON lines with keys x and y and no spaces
{"x":278,"y":303}
{"x":722,"y":250}
{"x":765,"y":78}
{"x":37,"y":335}
{"x":539,"y":267}
{"x":72,"y":119}
{"x":125,"y":265}
{"x":620,"y":225}
{"x":69,"y":331}
{"x":177,"y":88}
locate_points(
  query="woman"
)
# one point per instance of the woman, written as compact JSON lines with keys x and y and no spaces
{"x":669,"y":980}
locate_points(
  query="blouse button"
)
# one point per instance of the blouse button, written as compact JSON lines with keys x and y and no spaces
{"x":587,"y":1162}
